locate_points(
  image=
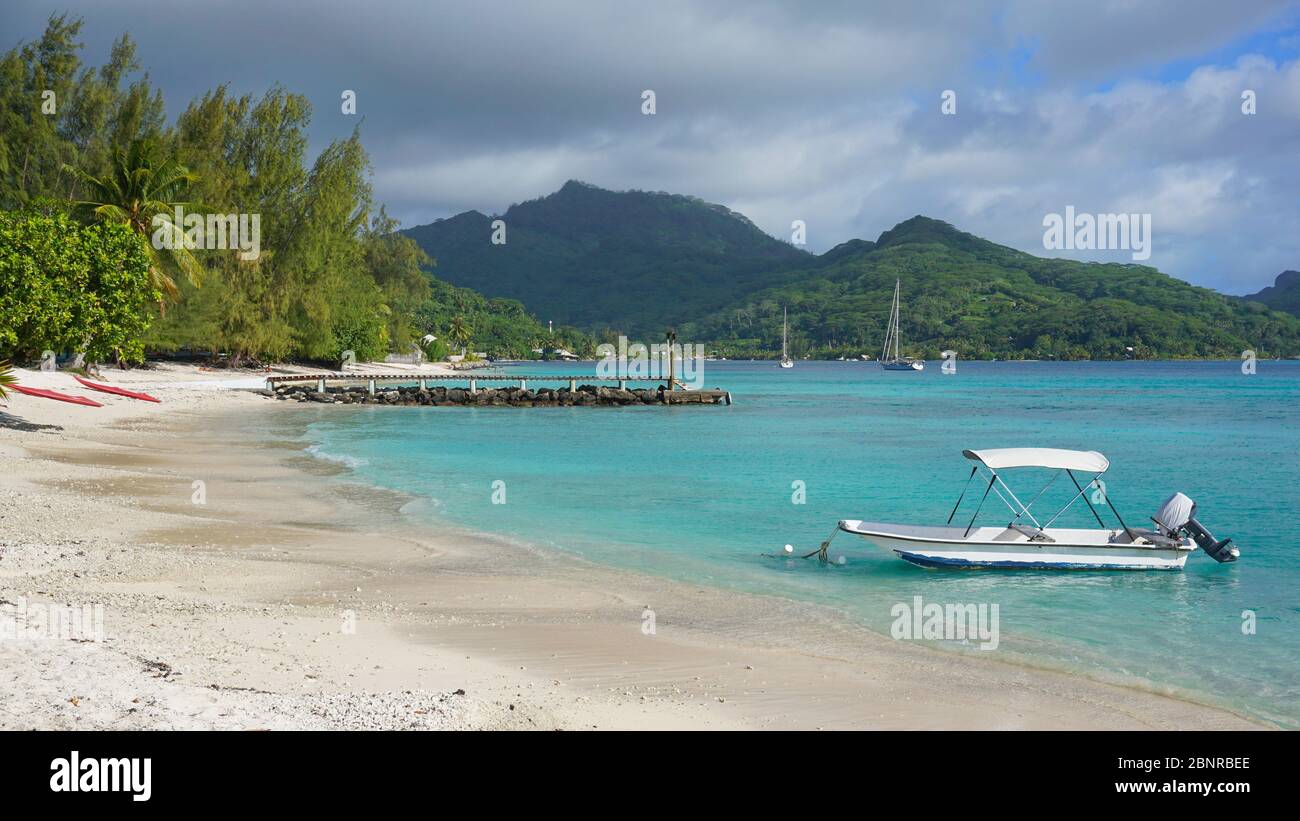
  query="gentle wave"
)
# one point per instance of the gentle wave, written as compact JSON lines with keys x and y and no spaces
{"x":352,"y":462}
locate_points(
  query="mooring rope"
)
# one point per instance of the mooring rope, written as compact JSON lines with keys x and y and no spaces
{"x":820,"y":552}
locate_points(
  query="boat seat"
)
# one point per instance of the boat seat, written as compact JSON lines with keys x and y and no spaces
{"x":1151,"y":536}
{"x":1034,"y":534}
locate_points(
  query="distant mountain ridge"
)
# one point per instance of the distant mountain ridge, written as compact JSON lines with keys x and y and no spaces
{"x":593,"y":258}
{"x":638,"y":262}
{"x":1282,"y":295}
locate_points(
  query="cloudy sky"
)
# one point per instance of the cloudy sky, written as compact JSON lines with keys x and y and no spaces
{"x":826,"y":112}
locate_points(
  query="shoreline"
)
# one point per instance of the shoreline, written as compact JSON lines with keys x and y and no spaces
{"x":233,"y":614}
{"x":801,"y":611}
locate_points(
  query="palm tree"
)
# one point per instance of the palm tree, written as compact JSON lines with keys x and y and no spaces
{"x":6,"y":378}
{"x":142,"y":189}
{"x":460,"y":332}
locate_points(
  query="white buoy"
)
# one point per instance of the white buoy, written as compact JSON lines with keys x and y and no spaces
{"x":789,"y":548}
{"x":840,"y":560}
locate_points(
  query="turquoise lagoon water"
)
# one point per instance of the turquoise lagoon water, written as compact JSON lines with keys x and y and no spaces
{"x":700,"y":493}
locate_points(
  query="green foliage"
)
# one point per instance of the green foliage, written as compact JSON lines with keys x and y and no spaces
{"x":69,"y":287}
{"x":368,"y":340}
{"x":459,"y":331}
{"x":6,"y":378}
{"x":94,"y":112}
{"x":984,"y":300}
{"x":144,"y":189}
{"x":330,"y":278}
{"x":501,"y":328}
{"x":435,"y":349}
{"x":396,"y":263}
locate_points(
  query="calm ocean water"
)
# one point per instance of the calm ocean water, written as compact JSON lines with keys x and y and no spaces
{"x":700,"y":493}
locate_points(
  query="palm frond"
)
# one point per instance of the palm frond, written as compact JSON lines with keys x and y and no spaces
{"x":6,"y":378}
{"x":139,"y":189}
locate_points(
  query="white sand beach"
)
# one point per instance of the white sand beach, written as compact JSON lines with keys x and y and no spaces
{"x":275,"y":599}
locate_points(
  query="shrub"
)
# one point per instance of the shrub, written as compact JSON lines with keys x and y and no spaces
{"x":70,"y":287}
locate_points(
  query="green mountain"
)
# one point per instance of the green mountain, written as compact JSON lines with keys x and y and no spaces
{"x":1282,"y":295}
{"x":633,"y":260}
{"x":984,"y":300}
{"x":639,"y":262}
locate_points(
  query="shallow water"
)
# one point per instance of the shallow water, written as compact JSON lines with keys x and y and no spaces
{"x":700,"y":493}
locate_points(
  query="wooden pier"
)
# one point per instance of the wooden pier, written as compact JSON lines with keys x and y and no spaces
{"x":431,"y":389}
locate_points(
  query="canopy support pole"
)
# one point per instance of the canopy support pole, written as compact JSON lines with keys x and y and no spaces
{"x":1088,"y":501}
{"x":1037,"y":496}
{"x":963,"y":493}
{"x":1132,"y":536}
{"x":977,"y":510}
{"x":1024,"y":511}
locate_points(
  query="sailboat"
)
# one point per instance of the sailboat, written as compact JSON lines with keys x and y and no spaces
{"x":889,"y":358}
{"x":786,"y":361}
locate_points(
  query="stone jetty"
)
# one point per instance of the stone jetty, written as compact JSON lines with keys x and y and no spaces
{"x":583,"y":395}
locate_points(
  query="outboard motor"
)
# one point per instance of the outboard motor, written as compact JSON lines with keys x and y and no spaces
{"x":1177,"y":516}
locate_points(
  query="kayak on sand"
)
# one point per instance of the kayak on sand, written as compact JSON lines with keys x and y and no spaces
{"x":62,"y":397}
{"x":96,"y":386}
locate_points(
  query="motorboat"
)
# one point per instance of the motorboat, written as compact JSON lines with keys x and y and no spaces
{"x":1024,"y":542}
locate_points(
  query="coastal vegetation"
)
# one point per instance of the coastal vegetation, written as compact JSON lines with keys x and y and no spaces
{"x":98,"y":258}
{"x":138,"y":190}
{"x":500,"y":328}
{"x":65,"y":286}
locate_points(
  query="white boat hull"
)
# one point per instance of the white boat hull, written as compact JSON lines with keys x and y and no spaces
{"x":1001,"y":548}
{"x":914,"y":365}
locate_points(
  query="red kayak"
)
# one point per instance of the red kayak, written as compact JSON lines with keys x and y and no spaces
{"x":96,"y":386}
{"x":62,"y":397}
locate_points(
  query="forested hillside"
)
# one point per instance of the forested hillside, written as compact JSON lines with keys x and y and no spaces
{"x":984,"y":300}
{"x":630,"y":260}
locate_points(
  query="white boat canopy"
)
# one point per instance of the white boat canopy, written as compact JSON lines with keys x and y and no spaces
{"x":1089,"y":461}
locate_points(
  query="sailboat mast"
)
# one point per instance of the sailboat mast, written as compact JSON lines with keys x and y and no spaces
{"x":884,"y":351}
{"x":785,"y":316}
{"x":891,"y":331}
{"x":897,"y":284}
